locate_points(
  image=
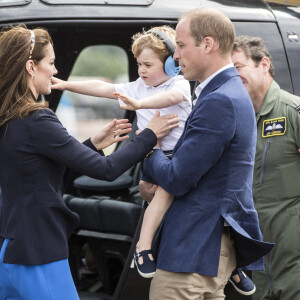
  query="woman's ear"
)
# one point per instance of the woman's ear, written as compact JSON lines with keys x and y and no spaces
{"x":30,"y":68}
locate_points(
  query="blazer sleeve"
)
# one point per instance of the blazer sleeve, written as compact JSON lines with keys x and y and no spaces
{"x":69,"y":175}
{"x":208,"y":133}
{"x":52,"y":140}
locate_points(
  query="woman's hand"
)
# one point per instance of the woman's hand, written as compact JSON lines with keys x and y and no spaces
{"x":162,"y":126}
{"x":130,"y":104}
{"x":58,"y":84}
{"x":110,"y":134}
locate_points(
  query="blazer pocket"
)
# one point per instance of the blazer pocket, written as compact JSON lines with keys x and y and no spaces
{"x":48,"y":198}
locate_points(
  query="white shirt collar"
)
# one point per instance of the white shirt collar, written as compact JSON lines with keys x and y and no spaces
{"x":202,"y":85}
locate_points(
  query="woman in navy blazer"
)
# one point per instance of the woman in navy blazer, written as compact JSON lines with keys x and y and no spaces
{"x":35,"y":150}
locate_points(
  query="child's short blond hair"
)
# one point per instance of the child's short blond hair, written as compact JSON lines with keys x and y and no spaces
{"x":146,"y":39}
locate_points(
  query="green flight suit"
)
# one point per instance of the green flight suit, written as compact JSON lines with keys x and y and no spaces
{"x":276,"y":188}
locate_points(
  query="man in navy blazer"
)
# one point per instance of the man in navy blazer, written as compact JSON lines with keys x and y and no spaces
{"x":212,"y":225}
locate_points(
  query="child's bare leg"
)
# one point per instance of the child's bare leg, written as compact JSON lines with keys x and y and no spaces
{"x":153,"y":216}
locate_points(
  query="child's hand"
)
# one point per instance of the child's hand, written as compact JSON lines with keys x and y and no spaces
{"x":57,"y":84}
{"x":130,"y":104}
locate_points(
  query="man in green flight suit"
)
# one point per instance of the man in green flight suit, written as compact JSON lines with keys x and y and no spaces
{"x":276,"y":181}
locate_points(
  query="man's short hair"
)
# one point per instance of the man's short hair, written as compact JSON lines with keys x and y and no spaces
{"x":207,"y":22}
{"x":254,"y":48}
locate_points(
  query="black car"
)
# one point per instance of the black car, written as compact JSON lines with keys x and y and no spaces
{"x":92,"y":38}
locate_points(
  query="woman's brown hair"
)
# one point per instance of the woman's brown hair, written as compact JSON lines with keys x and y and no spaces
{"x":16,"y":98}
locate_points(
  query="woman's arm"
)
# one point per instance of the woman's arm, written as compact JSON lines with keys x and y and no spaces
{"x":53,"y":141}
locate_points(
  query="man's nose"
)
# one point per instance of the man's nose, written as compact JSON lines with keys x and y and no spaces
{"x":176,"y":54}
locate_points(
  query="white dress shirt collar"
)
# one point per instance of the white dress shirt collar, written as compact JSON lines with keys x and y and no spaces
{"x":202,"y":85}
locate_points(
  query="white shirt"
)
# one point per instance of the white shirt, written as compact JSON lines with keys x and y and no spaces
{"x":139,"y":90}
{"x":202,"y":85}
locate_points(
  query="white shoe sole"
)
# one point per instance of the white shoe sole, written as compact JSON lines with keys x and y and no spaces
{"x":241,"y":291}
{"x":145,"y":275}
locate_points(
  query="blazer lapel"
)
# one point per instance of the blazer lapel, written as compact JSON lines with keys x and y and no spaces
{"x":213,"y":85}
{"x":218,"y":81}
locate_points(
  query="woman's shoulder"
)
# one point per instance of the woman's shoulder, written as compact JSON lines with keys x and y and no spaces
{"x":42,"y":117}
{"x":42,"y":113}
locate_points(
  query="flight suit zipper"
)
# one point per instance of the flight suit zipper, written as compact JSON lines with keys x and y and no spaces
{"x":263,"y":161}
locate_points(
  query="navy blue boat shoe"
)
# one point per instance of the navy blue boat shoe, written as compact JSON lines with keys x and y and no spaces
{"x":245,"y":286}
{"x":148,"y":267}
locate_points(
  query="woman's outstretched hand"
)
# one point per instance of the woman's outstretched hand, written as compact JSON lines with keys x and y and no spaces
{"x":162,"y":126}
{"x":111,"y":133}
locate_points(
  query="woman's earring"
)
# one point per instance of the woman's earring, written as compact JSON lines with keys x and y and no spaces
{"x":32,"y":76}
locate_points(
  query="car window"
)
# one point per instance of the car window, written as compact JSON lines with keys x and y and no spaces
{"x":83,"y":115}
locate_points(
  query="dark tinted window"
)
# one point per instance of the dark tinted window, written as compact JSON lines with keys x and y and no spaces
{"x":271,"y":36}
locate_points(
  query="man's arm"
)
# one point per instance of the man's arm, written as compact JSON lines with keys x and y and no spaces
{"x":208,"y":134}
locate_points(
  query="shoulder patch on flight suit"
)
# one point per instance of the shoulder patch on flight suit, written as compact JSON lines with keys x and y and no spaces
{"x":298,"y":109}
{"x":274,"y":127}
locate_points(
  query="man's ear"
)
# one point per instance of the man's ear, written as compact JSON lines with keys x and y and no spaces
{"x":30,"y":67}
{"x":265,"y":63}
{"x":208,"y":44}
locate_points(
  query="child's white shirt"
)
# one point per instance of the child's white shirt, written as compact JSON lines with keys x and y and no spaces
{"x":139,"y":90}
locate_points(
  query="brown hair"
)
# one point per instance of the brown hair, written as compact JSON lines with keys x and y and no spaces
{"x":207,"y":22}
{"x":146,"y":39}
{"x":254,"y":48}
{"x":16,"y":98}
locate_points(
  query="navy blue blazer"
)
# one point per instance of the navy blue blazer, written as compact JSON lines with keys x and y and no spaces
{"x":210,"y":175}
{"x":34,"y":154}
